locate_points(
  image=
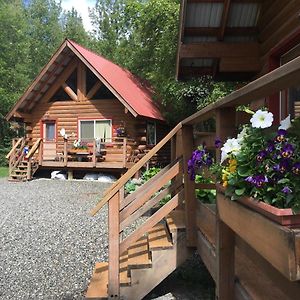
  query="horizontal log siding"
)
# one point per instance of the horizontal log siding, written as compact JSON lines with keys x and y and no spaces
{"x":278,"y":20}
{"x":66,"y":113}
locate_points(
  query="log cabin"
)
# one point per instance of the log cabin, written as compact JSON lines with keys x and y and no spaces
{"x":83,"y":112}
{"x":247,"y":255}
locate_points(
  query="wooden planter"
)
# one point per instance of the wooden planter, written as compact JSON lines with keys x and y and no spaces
{"x":279,"y":245}
{"x":284,"y":217}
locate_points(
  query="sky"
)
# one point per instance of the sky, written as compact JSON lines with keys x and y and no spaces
{"x":82,"y":8}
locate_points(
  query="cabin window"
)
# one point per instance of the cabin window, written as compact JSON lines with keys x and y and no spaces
{"x":151,"y":133}
{"x":95,"y":129}
{"x":49,"y":131}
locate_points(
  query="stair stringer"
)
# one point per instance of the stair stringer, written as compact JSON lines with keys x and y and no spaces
{"x":164,"y":262}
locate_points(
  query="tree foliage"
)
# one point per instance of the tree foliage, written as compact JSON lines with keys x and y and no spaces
{"x":141,"y":35}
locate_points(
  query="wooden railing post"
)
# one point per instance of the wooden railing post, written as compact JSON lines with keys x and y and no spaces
{"x":225,"y":261}
{"x":114,"y":247}
{"x":65,"y":152}
{"x":124,"y":152}
{"x":94,"y":153}
{"x":41,"y":153}
{"x":189,"y":187}
{"x":29,"y":169}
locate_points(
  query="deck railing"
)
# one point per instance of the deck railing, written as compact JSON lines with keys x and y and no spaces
{"x":119,"y":150}
{"x":16,"y":154}
{"x":122,"y":211}
{"x":125,"y":209}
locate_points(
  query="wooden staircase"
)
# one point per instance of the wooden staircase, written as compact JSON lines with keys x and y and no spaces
{"x":145,"y":257}
{"x":23,"y":171}
{"x":23,"y":166}
{"x":146,"y":262}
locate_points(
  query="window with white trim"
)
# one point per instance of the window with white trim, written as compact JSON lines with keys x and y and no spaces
{"x":95,"y":129}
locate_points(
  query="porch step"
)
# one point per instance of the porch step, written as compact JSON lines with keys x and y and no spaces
{"x":176,"y":220}
{"x":159,"y":238}
{"x":139,"y":255}
{"x":137,"y":267}
{"x":98,"y":284}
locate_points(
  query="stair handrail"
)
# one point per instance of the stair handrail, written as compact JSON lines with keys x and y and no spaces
{"x":122,"y":181}
{"x":13,"y":149}
{"x":34,"y":148}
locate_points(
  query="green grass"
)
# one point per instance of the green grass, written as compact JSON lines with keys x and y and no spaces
{"x":3,"y":172}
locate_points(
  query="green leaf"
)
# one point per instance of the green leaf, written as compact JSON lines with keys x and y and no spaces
{"x":240,"y":192}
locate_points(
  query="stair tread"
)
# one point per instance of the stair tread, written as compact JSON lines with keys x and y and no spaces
{"x":138,"y":254}
{"x":97,"y":288}
{"x":158,"y":238}
{"x":176,"y":220}
{"x":124,"y":279}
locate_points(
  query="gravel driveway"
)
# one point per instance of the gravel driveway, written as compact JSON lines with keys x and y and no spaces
{"x":49,"y":242}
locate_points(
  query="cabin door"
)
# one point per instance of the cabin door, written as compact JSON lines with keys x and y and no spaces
{"x":49,"y":140}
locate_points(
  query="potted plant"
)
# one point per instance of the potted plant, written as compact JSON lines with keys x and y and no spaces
{"x":79,"y":146}
{"x":121,"y":131}
{"x":260,"y":167}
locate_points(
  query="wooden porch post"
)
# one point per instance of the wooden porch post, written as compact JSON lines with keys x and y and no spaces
{"x":94,"y":153}
{"x":29,"y":169}
{"x":225,"y":242}
{"x":225,"y":262}
{"x":114,"y":247}
{"x":41,"y":153}
{"x":124,"y":152}
{"x":65,"y":152}
{"x":189,"y":187}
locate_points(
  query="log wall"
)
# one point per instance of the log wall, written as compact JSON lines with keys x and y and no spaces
{"x":67,"y":113}
{"x":278,"y":21}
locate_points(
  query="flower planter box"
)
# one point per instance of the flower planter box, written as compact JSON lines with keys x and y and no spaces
{"x":284,"y":217}
{"x":279,"y":245}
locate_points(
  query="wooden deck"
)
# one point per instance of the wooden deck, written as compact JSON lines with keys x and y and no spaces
{"x":86,"y":165}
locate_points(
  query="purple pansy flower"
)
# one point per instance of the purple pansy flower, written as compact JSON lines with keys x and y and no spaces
{"x":283,"y":166}
{"x":287,"y":150}
{"x":257,"y":180}
{"x":218,"y":143}
{"x":286,"y":190}
{"x":281,"y":135}
{"x":270,"y":146}
{"x":261,"y":155}
{"x":296,"y":168}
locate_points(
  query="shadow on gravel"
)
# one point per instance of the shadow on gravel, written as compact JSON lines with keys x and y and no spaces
{"x":189,"y":282}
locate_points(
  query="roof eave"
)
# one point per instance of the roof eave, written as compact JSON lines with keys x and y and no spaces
{"x":35,"y":81}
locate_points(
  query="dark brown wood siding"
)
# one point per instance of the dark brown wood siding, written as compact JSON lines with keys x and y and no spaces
{"x":278,"y":21}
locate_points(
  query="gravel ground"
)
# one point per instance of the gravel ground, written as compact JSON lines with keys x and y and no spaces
{"x":49,"y":244}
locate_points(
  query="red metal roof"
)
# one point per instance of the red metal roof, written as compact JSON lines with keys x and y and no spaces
{"x":128,"y":86}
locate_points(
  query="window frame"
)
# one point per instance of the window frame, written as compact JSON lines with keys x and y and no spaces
{"x":44,"y":131}
{"x":94,"y":120}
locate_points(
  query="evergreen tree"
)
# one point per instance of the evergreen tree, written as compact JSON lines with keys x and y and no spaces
{"x":73,"y":28}
{"x":45,"y":32}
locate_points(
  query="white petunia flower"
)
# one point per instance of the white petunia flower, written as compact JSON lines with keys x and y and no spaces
{"x":241,"y":135}
{"x":224,"y":156}
{"x":286,"y":123}
{"x":262,"y":119}
{"x":231,"y":146}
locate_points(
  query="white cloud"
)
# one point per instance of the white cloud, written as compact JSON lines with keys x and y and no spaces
{"x":82,"y":9}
